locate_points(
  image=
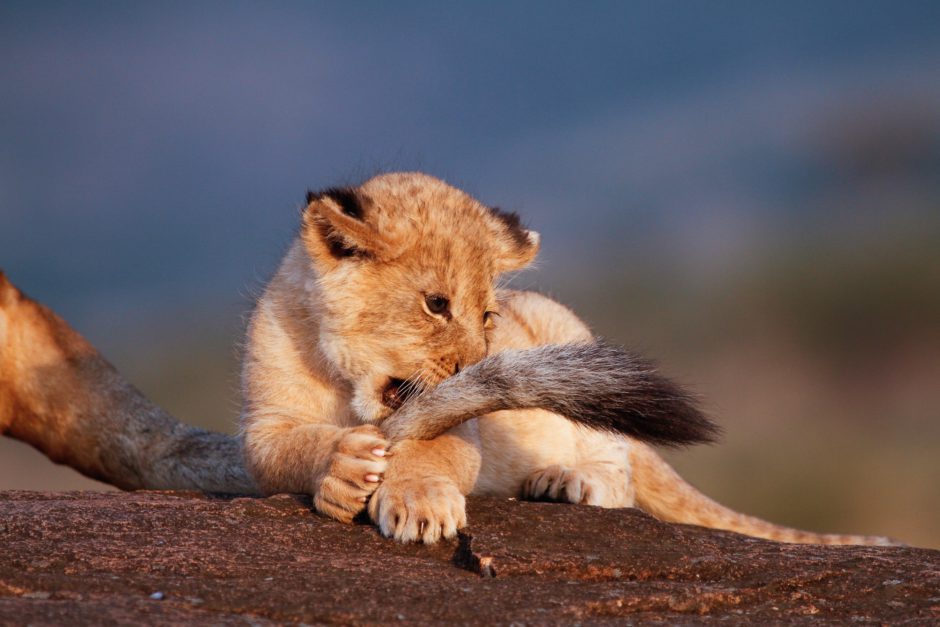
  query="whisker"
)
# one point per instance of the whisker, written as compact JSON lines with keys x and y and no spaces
{"x":414,"y":380}
{"x":422,"y":383}
{"x":412,"y":386}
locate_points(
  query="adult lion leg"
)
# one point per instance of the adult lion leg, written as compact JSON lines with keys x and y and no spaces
{"x":60,"y":395}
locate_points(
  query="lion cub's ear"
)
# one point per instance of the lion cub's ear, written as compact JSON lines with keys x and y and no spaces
{"x":340,"y":222}
{"x":516,"y":245}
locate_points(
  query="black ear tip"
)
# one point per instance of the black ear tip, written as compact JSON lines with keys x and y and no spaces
{"x":513,"y":225}
{"x":345,"y":197}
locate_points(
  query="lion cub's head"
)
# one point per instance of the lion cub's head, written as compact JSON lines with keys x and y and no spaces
{"x":406,"y":267}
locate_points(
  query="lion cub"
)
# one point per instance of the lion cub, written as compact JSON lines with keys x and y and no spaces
{"x":388,"y":290}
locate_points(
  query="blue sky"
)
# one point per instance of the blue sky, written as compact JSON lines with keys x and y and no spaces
{"x":152,"y":152}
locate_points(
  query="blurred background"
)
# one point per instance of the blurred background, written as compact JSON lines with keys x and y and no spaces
{"x":747,"y":191}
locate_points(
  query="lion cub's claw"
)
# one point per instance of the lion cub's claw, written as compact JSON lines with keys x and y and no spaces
{"x":413,"y":510}
{"x":355,"y":472}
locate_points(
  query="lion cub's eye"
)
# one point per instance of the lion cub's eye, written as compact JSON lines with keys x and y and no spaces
{"x":488,"y":321}
{"x":437,"y":304}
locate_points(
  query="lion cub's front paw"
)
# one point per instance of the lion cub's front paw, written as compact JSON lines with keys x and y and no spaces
{"x":355,"y":471}
{"x":423,"y":509}
{"x":577,"y":485}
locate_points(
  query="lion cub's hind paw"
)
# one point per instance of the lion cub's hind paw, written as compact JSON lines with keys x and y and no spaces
{"x":570,"y":485}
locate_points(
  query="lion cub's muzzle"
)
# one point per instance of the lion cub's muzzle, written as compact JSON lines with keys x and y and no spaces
{"x":398,"y":391}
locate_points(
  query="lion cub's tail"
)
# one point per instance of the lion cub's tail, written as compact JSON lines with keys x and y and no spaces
{"x":592,"y":383}
{"x":664,"y":494}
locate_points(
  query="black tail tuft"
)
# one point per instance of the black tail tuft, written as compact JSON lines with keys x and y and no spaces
{"x":644,"y":404}
{"x":605,"y":387}
{"x":594,"y":384}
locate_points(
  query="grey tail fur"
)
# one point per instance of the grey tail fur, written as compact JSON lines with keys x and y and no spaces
{"x":594,"y":384}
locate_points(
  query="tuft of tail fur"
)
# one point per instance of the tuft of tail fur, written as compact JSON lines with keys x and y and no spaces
{"x":593,"y":383}
{"x":660,"y":491}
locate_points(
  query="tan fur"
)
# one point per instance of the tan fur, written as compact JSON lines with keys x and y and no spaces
{"x":329,"y":333}
{"x":59,"y":395}
{"x":346,"y":312}
{"x":663,"y":493}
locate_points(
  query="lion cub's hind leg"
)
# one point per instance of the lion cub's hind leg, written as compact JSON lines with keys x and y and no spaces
{"x":603,"y":484}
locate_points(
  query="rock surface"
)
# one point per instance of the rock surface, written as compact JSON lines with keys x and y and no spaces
{"x":126,"y":558}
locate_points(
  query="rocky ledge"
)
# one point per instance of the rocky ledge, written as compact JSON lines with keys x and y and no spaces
{"x":127,"y":558}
